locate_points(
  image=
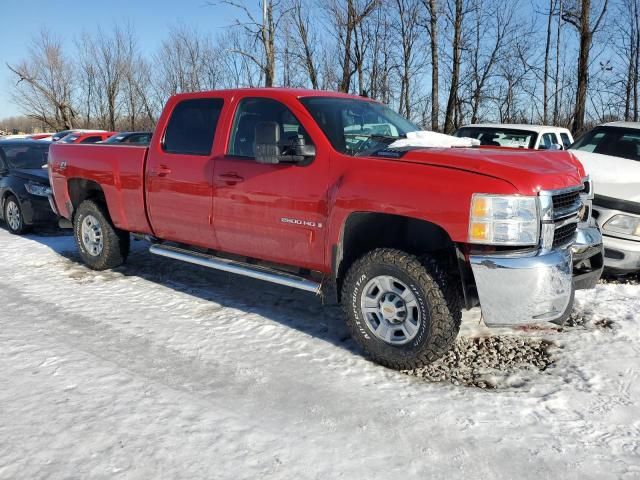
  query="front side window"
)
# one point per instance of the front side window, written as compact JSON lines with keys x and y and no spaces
{"x":357,"y":127}
{"x":614,"y":141}
{"x":192,"y":126}
{"x":252,"y":111}
{"x":547,"y":141}
{"x":499,"y":137}
{"x":93,"y":139}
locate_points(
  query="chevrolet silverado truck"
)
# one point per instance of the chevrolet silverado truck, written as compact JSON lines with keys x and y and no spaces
{"x":310,"y":190}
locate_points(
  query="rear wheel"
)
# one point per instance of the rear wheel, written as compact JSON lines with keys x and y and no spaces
{"x":101,"y":244}
{"x":403,"y":312}
{"x":13,"y":216}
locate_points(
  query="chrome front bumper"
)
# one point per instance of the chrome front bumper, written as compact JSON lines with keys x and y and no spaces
{"x":535,"y":287}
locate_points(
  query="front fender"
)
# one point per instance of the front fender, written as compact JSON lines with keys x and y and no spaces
{"x":441,"y":196}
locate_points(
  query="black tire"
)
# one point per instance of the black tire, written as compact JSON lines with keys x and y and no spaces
{"x":438,"y":302}
{"x":17,"y":229}
{"x":115,"y":243}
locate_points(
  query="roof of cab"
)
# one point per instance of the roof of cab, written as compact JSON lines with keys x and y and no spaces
{"x":294,"y":92}
{"x":634,"y":125}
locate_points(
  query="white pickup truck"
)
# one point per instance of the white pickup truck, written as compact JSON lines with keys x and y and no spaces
{"x":537,"y":137}
{"x":610,"y":154}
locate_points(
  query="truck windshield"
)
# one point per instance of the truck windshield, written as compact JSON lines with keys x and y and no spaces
{"x":356,"y":126}
{"x":614,"y":141}
{"x":499,"y":137}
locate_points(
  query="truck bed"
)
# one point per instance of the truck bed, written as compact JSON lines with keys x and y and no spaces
{"x":118,"y":169}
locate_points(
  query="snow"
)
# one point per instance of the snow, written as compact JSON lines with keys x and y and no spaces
{"x":164,"y":370}
{"x":425,"y":138}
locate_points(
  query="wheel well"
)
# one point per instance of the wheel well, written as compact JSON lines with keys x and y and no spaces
{"x":81,"y":190}
{"x":365,"y":231}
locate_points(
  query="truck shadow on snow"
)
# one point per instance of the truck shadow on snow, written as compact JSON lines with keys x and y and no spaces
{"x":490,"y":362}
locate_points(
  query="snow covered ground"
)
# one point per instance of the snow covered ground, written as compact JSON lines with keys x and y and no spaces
{"x":163,"y":370}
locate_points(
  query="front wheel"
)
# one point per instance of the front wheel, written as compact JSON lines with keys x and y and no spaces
{"x":101,"y":244}
{"x":404,"y":313}
{"x":13,"y":216}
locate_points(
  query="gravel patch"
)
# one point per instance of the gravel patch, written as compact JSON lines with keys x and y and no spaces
{"x":632,"y":279}
{"x":488,"y":362}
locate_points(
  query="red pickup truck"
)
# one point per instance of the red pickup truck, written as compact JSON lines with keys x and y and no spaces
{"x":307,"y":189}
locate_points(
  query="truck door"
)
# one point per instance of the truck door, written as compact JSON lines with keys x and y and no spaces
{"x":271,"y":212}
{"x":180,"y":171}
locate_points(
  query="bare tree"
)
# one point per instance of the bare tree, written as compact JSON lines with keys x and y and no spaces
{"x":493,"y":20}
{"x":578,"y":14}
{"x":45,"y":83}
{"x":263,"y":30}
{"x":347,"y":18}
{"x":408,"y":15}
{"x":455,"y":14}
{"x":547,"y":49}
{"x":556,"y":91}
{"x":307,"y":51}
{"x":433,"y":11}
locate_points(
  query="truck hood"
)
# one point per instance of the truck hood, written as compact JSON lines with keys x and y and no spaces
{"x":613,"y":177}
{"x":39,"y":175}
{"x":528,"y":170}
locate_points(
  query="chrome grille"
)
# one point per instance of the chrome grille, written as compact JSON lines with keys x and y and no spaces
{"x":564,"y":234}
{"x":560,"y":211}
{"x":566,"y":204}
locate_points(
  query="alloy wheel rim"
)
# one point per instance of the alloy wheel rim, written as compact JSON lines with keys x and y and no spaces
{"x":91,"y":235}
{"x":13,"y":215}
{"x":390,"y":309}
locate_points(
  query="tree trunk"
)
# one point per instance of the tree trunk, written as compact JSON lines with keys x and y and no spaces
{"x":449,"y":121}
{"x":435,"y":104}
{"x":556,"y":93}
{"x":545,"y":76}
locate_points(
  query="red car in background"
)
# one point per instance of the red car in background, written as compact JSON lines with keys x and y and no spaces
{"x":87,"y":137}
{"x":41,"y":136}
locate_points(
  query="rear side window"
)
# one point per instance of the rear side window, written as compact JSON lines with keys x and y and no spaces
{"x":192,"y":126}
{"x":24,"y":155}
{"x":94,"y":139}
{"x":566,"y":141}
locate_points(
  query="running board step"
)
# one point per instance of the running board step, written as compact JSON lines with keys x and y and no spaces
{"x":232,"y":266}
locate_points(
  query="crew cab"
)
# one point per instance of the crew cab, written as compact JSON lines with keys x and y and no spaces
{"x":537,"y":137}
{"x":327,"y":193}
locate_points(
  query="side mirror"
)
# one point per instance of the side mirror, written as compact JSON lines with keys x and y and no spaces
{"x":267,"y":135}
{"x":300,"y":149}
{"x":270,"y":150}
{"x":556,"y":146}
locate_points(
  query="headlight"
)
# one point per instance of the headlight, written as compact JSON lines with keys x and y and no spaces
{"x":38,"y":189}
{"x":623,"y":224}
{"x":504,"y":220}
